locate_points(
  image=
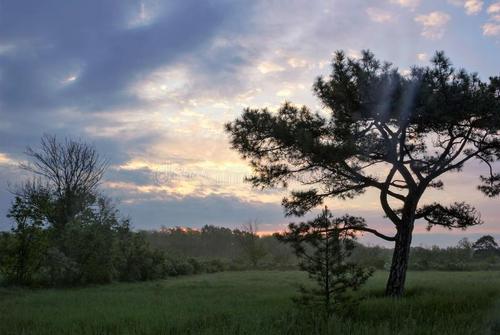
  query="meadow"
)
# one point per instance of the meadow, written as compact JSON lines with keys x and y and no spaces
{"x":254,"y":302}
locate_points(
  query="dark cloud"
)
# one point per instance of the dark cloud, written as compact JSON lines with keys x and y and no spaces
{"x":139,"y":176}
{"x":53,"y":40}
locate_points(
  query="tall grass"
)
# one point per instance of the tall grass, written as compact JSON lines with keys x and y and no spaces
{"x":254,"y":303}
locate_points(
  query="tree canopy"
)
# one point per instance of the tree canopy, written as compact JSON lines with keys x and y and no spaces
{"x":380,"y":129}
{"x":70,"y":170}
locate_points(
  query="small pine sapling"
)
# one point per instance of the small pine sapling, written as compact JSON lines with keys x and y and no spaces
{"x":323,"y":246}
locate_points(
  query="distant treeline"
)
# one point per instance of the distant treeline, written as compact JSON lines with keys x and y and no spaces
{"x":97,"y":247}
{"x":235,"y":250}
{"x":465,"y":256}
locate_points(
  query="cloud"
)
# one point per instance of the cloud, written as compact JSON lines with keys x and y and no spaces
{"x":6,"y":160}
{"x":269,"y":67}
{"x":494,"y":8}
{"x":85,"y":55}
{"x":355,"y":54}
{"x":422,"y":56}
{"x":491,"y":29}
{"x":494,"y":11}
{"x":284,"y":93}
{"x":412,"y":4}
{"x":433,"y":24}
{"x":379,"y":15}
{"x":297,"y":62}
{"x":471,"y":7}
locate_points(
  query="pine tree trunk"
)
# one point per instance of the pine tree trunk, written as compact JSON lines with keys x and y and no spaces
{"x":396,"y":282}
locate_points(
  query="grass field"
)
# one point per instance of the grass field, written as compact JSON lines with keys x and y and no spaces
{"x":254,"y":303}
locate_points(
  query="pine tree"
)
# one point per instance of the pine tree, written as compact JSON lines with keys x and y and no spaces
{"x":395,"y":134}
{"x":323,"y":246}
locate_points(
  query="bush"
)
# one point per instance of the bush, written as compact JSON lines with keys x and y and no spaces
{"x":215,"y":265}
{"x":134,"y":259}
{"x":178,"y":267}
{"x":58,"y":269}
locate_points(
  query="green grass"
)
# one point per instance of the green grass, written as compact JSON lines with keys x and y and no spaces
{"x":254,"y":303}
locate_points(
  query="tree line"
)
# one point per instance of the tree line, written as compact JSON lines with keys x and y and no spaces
{"x":235,"y":249}
{"x":224,"y":244}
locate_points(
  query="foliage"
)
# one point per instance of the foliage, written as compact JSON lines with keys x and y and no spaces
{"x":486,"y":246}
{"x":134,"y":258}
{"x":323,"y":246}
{"x":22,"y":250}
{"x":72,"y":170}
{"x":396,"y":134}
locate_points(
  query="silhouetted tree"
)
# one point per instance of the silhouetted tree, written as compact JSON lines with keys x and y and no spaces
{"x":397,"y":134}
{"x":485,"y":245}
{"x":323,"y":246}
{"x":72,"y":170}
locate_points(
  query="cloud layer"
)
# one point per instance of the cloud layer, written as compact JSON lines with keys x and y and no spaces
{"x":151,"y":84}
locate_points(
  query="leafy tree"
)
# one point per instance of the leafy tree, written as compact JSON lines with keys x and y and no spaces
{"x":134,"y":258}
{"x":25,"y":247}
{"x":485,"y":245}
{"x":396,"y":134}
{"x":323,"y":246}
{"x":250,"y":242}
{"x":486,"y":242}
{"x":72,"y":170}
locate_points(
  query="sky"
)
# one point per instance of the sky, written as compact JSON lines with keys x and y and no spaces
{"x":151,"y":84}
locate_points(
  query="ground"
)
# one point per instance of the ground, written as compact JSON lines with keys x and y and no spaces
{"x":257,"y":302}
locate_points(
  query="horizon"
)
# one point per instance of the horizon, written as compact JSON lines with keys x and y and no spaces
{"x":151,"y":85}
